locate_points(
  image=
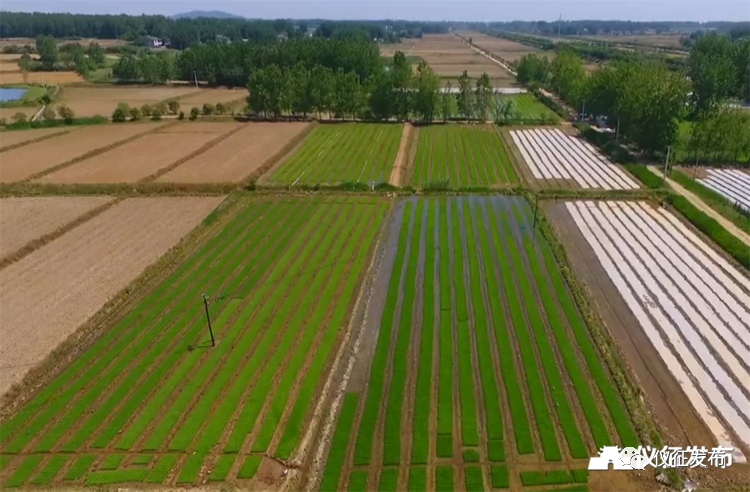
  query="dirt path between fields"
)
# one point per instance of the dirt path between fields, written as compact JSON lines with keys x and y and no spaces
{"x":402,"y":157}
{"x":700,"y":204}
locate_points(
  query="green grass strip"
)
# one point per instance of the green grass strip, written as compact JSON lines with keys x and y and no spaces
{"x":324,"y":286}
{"x":473,"y":479}
{"x":471,"y":456}
{"x":124,"y":332}
{"x":357,"y":481}
{"x":249,"y":467}
{"x":445,"y":335}
{"x":495,"y":451}
{"x":417,"y":479}
{"x":492,"y":410}
{"x":519,"y":417}
{"x":112,"y":462}
{"x":552,"y":477}
{"x":580,"y":475}
{"x":50,"y":470}
{"x":469,"y":427}
{"x":5,"y":460}
{"x":222,"y":467}
{"x":161,"y":469}
{"x":295,"y":423}
{"x":619,"y":416}
{"x":587,"y":401}
{"x":24,"y":471}
{"x":363,"y":448}
{"x":388,"y":480}
{"x":191,"y":468}
{"x":80,"y":467}
{"x":444,"y":446}
{"x":444,"y":479}
{"x":400,"y":359}
{"x":499,"y":477}
{"x":339,"y":444}
{"x":142,"y":459}
{"x":116,"y":476}
{"x":421,"y":424}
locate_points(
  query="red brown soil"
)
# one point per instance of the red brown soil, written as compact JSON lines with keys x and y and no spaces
{"x":49,"y":78}
{"x":203,"y":127}
{"x":9,"y":67}
{"x":213,"y":96}
{"x":21,"y":163}
{"x":8,"y":139}
{"x":91,"y":101}
{"x":8,"y":114}
{"x":132,"y":161}
{"x":504,"y":48}
{"x":25,"y":219}
{"x":47,"y":295}
{"x":671,"y":409}
{"x":237,"y":157}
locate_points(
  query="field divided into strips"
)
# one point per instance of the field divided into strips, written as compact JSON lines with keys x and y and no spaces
{"x":692,"y":304}
{"x":554,"y":156}
{"x":464,"y":156}
{"x":152,"y":401}
{"x":341,"y":153}
{"x":732,"y":183}
{"x":476,"y":318}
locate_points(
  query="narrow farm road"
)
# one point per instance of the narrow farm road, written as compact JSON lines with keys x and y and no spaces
{"x":402,"y":157}
{"x":494,"y":60}
{"x":695,"y":200}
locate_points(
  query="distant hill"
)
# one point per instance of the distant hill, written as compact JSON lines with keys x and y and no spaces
{"x":211,"y":14}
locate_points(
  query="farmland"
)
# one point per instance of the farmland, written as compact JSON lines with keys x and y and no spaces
{"x":40,"y":78}
{"x":20,"y":137}
{"x":240,"y":155}
{"x":563,"y":160}
{"x":92,"y":101}
{"x":228,"y":97}
{"x":527,"y":107}
{"x":342,"y":153}
{"x":690,"y":306}
{"x":153,"y":401}
{"x":476,"y":339}
{"x":48,"y":294}
{"x":464,"y":156}
{"x":24,"y":162}
{"x":504,"y":48}
{"x":731,"y":183}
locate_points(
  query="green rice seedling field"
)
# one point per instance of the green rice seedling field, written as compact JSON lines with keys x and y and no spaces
{"x":526,"y":107}
{"x":462,"y":156}
{"x":341,"y":153}
{"x":152,"y":401}
{"x":480,"y":360}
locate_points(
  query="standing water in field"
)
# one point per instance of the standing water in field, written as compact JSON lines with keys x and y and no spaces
{"x":8,"y":94}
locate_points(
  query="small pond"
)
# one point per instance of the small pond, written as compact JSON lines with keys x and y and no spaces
{"x":8,"y":94}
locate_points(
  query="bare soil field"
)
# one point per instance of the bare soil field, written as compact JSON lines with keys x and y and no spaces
{"x":25,"y":219}
{"x":213,"y":96}
{"x":17,"y":137}
{"x":132,"y":161}
{"x":23,"y":162}
{"x":8,"y":113}
{"x":666,"y":40}
{"x":9,"y":67}
{"x":49,"y":78}
{"x":508,"y":50}
{"x":91,"y":101}
{"x":12,"y":57}
{"x":213,"y":127}
{"x":51,"y":292}
{"x":238,"y":156}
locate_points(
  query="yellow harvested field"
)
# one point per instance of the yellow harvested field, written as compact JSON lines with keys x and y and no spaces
{"x":132,"y":161}
{"x":50,"y":293}
{"x":505,"y":49}
{"x":9,"y":67}
{"x":238,"y":156}
{"x":203,"y":127}
{"x":92,"y":101}
{"x":22,"y":162}
{"x":49,"y":78}
{"x":213,"y":96}
{"x":25,"y":219}
{"x":8,"y":113}
{"x":20,"y":136}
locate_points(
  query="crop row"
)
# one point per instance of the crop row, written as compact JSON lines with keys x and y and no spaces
{"x":525,"y":107}
{"x":276,"y":320}
{"x":343,"y":153}
{"x":462,"y":155}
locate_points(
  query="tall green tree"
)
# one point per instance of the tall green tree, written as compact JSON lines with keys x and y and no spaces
{"x":96,"y":54}
{"x":482,"y":95}
{"x":401,"y":81}
{"x":321,"y":89}
{"x":568,"y":77}
{"x":713,"y":70}
{"x":465,"y":97}
{"x":533,"y":69}
{"x":46,"y":46}
{"x":427,"y":93}
{"x":447,"y":101}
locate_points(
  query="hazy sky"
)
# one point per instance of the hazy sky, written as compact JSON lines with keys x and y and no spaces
{"x":472,"y":10}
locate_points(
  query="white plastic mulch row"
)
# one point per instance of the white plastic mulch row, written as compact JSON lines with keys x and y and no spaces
{"x":692,"y":304}
{"x":551,"y":154}
{"x":733,"y":184}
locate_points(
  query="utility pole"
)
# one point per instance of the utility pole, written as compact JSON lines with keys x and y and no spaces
{"x":195,"y":76}
{"x":536,"y":209}
{"x":666,"y":165}
{"x":583,"y":111}
{"x":208,"y":318}
{"x":617,"y":135}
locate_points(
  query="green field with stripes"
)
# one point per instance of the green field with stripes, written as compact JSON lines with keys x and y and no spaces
{"x":342,"y":153}
{"x":482,"y":373}
{"x":153,"y":402}
{"x":460,"y":156}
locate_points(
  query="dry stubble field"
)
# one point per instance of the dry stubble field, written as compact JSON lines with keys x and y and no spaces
{"x":16,"y":138}
{"x":92,"y":101}
{"x":48,"y":294}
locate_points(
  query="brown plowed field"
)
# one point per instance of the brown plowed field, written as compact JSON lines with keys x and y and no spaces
{"x":9,"y":67}
{"x":132,"y":161}
{"x":238,"y":156}
{"x":18,"y":137}
{"x":506,"y":49}
{"x":50,"y":293}
{"x":203,"y":127}
{"x":48,"y":78}
{"x":24,"y":219}
{"x":8,"y":114}
{"x":91,"y":101}
{"x":213,"y":96}
{"x":20,"y":163}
